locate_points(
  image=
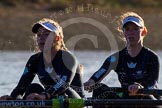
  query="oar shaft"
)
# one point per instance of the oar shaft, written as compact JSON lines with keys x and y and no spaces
{"x":143,"y":91}
{"x":151,"y":91}
{"x":143,"y":102}
{"x":77,"y":103}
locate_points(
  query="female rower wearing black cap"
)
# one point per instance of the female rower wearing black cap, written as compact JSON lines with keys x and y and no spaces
{"x":57,"y":69}
{"x":136,"y":66}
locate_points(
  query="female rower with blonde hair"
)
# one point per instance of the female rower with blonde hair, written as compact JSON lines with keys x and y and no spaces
{"x":57,"y":69}
{"x":136,"y":65}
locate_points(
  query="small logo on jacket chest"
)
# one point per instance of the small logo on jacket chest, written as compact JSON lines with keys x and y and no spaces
{"x":131,"y":65}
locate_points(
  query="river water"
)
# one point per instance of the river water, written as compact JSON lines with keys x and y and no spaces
{"x":12,"y":66}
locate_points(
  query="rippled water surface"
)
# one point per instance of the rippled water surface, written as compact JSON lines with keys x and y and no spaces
{"x":12,"y":65}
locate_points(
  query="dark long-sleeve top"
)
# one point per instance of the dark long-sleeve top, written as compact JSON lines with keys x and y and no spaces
{"x":64,"y":64}
{"x":142,"y":69}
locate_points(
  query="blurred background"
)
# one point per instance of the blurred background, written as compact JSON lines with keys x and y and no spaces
{"x":17,"y":17}
{"x":90,"y":30}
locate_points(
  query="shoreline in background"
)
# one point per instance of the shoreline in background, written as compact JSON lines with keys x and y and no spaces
{"x":16,"y":22}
